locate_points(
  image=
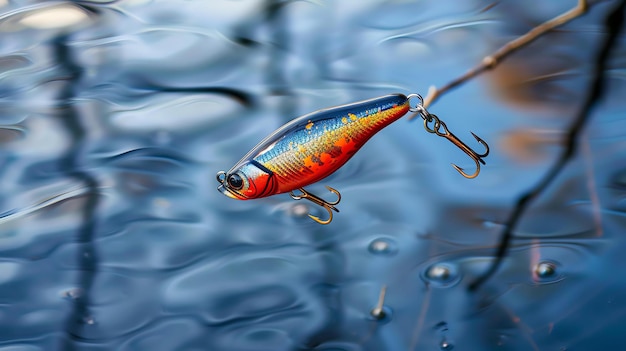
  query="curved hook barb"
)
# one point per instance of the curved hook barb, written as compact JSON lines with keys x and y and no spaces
{"x":320,"y":202}
{"x":441,"y":130}
{"x":473,"y":154}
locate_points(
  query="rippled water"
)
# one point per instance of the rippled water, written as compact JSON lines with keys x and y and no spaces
{"x":116,"y":115}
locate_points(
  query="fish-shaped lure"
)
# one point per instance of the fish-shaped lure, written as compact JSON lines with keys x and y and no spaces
{"x":313,"y":146}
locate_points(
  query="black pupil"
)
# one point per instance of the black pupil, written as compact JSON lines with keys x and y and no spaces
{"x":235,"y":181}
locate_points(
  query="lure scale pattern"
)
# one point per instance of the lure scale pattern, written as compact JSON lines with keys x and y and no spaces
{"x":314,"y":146}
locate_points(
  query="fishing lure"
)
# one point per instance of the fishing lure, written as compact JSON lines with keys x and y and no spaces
{"x":312,"y":147}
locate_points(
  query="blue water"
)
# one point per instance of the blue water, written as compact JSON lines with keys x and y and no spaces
{"x":116,"y":115}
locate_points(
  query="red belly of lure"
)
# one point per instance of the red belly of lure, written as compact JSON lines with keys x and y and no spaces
{"x":313,"y":146}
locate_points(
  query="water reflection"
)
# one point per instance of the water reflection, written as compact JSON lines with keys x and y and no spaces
{"x":115,"y":116}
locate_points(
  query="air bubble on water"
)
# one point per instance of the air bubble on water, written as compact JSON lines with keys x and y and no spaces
{"x":438,"y":272}
{"x":383,"y":246}
{"x":89,"y":320}
{"x":546,"y":272}
{"x":445,"y":344}
{"x":545,"y":269}
{"x":442,"y":274}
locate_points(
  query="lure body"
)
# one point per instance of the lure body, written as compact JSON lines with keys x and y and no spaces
{"x":310,"y":148}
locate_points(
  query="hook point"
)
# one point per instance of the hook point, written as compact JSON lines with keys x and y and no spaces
{"x":462,"y":171}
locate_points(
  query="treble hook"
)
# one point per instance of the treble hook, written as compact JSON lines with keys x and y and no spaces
{"x":441,"y":130}
{"x":439,"y":126}
{"x":319,"y":201}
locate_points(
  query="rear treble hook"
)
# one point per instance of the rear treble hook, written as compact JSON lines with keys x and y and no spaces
{"x":320,"y":202}
{"x":442,"y":130}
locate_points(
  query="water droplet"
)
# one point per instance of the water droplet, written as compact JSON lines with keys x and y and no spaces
{"x":547,"y":272}
{"x":442,"y":274}
{"x":545,"y":269}
{"x":380,"y":245}
{"x":383,"y":246}
{"x":438,"y":272}
{"x":446,"y":345}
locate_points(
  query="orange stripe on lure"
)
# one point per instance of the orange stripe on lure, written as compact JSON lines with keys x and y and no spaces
{"x":313,"y":146}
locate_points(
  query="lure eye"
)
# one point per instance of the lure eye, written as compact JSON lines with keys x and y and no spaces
{"x":235,"y":181}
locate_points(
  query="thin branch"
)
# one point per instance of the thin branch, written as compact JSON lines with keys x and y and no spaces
{"x":614,"y":23}
{"x":491,"y":61}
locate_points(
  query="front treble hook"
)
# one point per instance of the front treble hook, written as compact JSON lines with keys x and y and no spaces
{"x":441,"y":130}
{"x":320,"y":202}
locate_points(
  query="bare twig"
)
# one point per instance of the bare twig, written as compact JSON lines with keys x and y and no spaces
{"x":491,"y":61}
{"x":614,"y":24}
